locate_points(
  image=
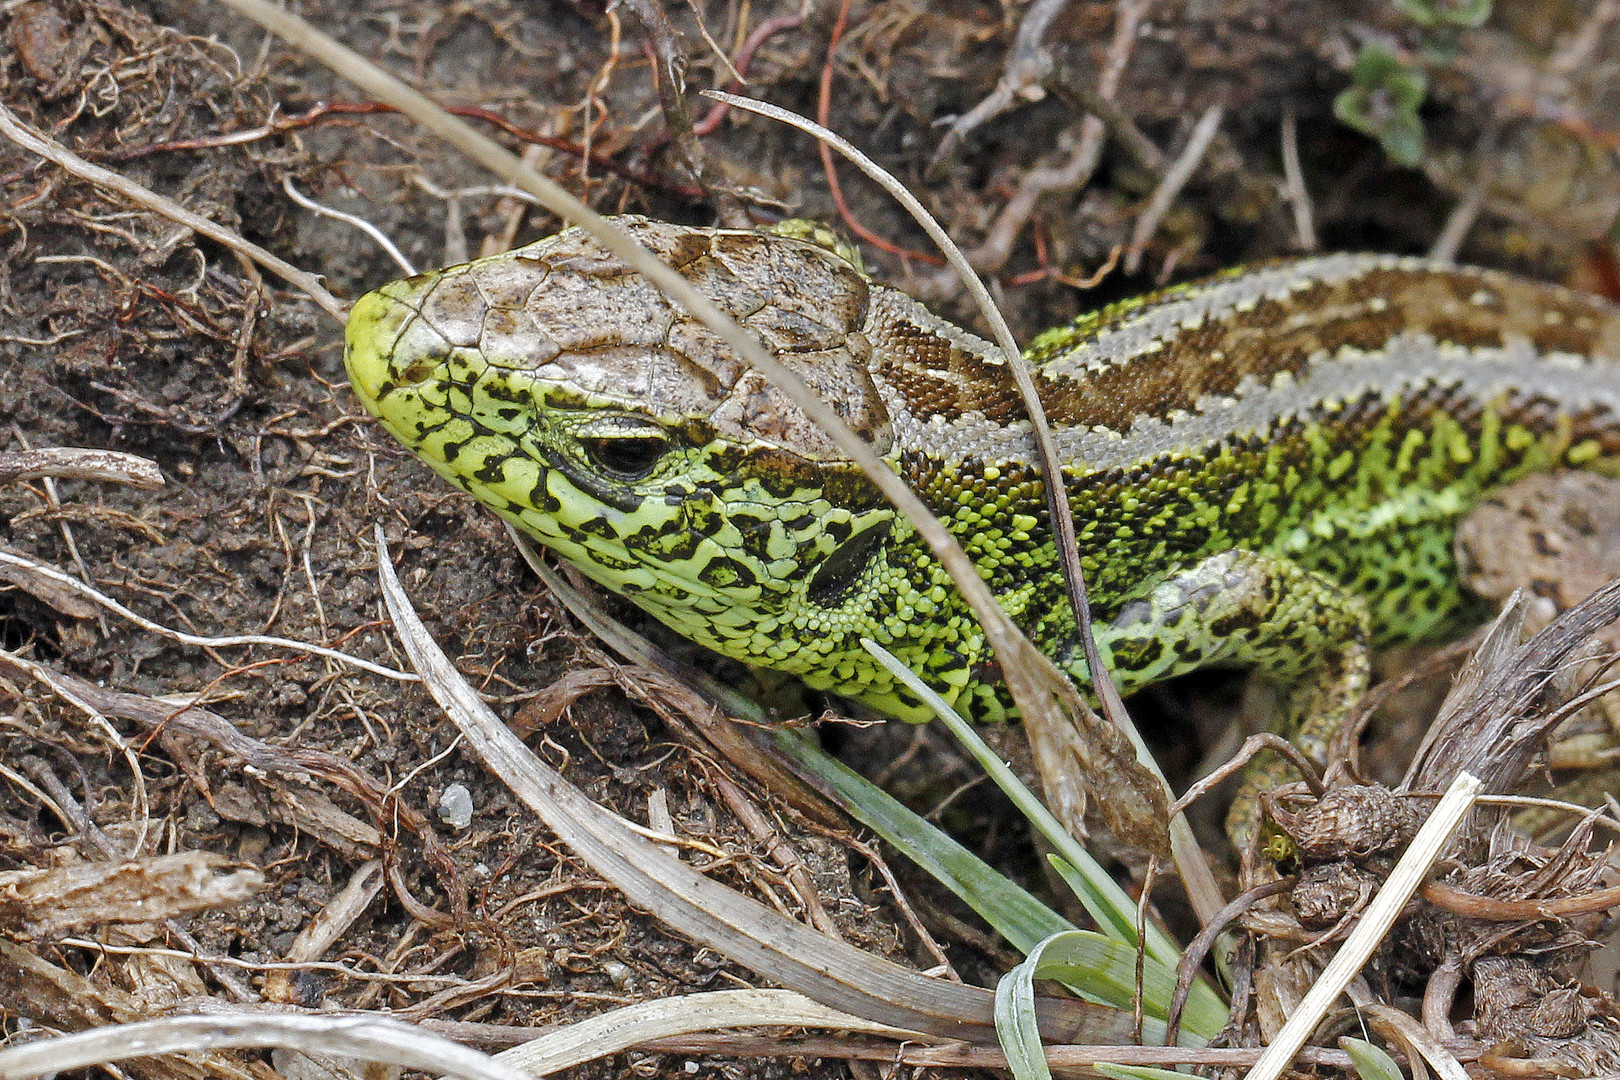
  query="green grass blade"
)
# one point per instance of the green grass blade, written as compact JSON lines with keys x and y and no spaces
{"x":1372,"y":1062}
{"x":1093,"y":966}
{"x":1013,"y":912}
{"x":1101,"y":896}
{"x":1204,"y":1014}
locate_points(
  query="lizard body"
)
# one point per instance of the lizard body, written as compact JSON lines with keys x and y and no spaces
{"x":1266,"y":468}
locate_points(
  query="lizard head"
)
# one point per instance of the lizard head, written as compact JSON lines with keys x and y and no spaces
{"x":563,"y":391}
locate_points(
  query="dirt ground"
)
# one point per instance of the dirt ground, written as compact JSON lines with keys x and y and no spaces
{"x":123,"y":331}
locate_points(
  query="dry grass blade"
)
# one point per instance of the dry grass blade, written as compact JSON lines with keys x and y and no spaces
{"x":324,"y":931}
{"x":623,"y":1029}
{"x":767,"y":942}
{"x":373,"y":1040}
{"x":49,"y":903}
{"x":1415,"y":1040}
{"x":80,"y":463}
{"x":1171,"y":184}
{"x":61,"y":598}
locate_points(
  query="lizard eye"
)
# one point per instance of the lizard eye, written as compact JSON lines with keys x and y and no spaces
{"x":630,"y":455}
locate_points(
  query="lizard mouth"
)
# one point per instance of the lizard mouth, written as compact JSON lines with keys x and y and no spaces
{"x":374,"y":325}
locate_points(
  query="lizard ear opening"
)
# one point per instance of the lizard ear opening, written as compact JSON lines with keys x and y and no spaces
{"x":841,"y":571}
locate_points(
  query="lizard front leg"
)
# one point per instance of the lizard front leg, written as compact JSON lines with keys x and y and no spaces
{"x":1250,"y":609}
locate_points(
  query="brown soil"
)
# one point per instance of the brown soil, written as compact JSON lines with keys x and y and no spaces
{"x":121,"y":330}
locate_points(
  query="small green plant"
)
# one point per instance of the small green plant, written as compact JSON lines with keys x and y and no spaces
{"x":1382,"y":101}
{"x":1385,"y":91}
{"x":1468,"y":13}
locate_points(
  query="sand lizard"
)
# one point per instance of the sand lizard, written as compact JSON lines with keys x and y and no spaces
{"x":1265,"y":468}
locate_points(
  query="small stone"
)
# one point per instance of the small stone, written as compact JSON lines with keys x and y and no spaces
{"x":456,"y":807}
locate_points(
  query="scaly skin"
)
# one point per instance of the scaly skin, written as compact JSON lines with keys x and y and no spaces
{"x":1265,"y":468}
